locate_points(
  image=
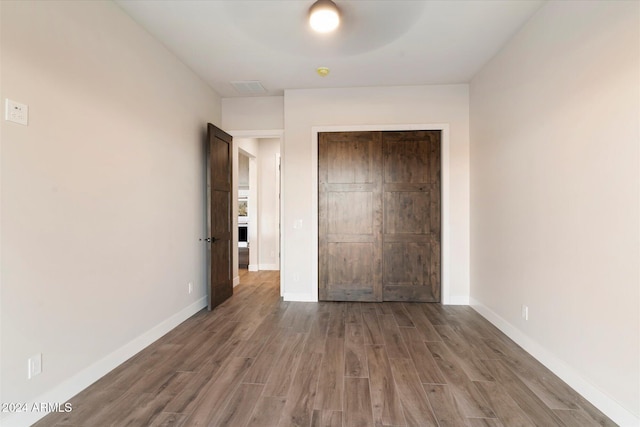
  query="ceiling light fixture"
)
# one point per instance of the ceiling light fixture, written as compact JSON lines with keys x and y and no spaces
{"x":324,"y":16}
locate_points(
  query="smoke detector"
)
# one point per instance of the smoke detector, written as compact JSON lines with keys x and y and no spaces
{"x":323,"y":71}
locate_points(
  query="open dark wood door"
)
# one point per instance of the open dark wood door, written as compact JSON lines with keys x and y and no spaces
{"x":220,"y":219}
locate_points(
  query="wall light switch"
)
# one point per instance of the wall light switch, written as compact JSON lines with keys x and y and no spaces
{"x":34,"y":366}
{"x":16,"y":112}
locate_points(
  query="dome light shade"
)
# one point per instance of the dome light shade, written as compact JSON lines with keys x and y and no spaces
{"x":324,"y":16}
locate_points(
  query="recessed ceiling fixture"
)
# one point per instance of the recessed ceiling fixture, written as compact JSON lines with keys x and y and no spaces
{"x":324,"y":16}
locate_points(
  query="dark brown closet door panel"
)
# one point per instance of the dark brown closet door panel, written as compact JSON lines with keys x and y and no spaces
{"x":351,"y":275}
{"x":411,"y":198}
{"x":350,"y":158}
{"x":435,"y":210}
{"x":357,"y":220}
{"x":379,"y":216}
{"x":350,"y":216}
{"x":407,"y":268}
{"x":412,"y":209}
{"x":406,"y":212}
{"x":407,"y":156}
{"x":408,"y":262}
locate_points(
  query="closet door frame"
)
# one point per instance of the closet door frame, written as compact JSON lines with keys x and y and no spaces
{"x":445,"y":188}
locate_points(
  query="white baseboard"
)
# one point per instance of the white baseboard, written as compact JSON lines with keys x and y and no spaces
{"x":83,"y":379}
{"x":269,"y":267}
{"x":236,"y":281}
{"x":599,"y":399}
{"x":253,"y":267}
{"x":299,"y":297}
{"x":457,"y":300}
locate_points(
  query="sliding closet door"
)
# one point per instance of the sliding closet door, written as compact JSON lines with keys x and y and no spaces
{"x":350,"y":216}
{"x":379,"y":216}
{"x":411,"y":199}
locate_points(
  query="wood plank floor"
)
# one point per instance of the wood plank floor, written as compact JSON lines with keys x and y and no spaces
{"x":258,"y":361}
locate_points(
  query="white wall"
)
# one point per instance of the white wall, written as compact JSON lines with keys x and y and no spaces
{"x":269,"y":203}
{"x":305,"y":109}
{"x":555,"y":196}
{"x":243,"y":171}
{"x":253,"y":113}
{"x":102,"y":201}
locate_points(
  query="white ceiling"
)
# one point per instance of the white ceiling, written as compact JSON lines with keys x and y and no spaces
{"x":380,"y":43}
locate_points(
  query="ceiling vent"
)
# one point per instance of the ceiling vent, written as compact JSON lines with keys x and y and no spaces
{"x":249,"y":87}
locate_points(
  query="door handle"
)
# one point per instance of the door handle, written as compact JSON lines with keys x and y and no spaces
{"x":209,"y":239}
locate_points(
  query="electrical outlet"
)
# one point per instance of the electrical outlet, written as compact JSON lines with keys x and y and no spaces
{"x":16,"y":112}
{"x":34,"y":366}
{"x":190,"y":287}
{"x":525,"y":312}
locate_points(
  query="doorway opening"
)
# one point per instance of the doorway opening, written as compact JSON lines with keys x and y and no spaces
{"x":257,"y":202}
{"x":244,"y":193}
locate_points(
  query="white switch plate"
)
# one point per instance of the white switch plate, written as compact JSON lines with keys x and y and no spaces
{"x":16,"y":112}
{"x":34,"y":366}
{"x":190,"y":287}
{"x":525,"y":312}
